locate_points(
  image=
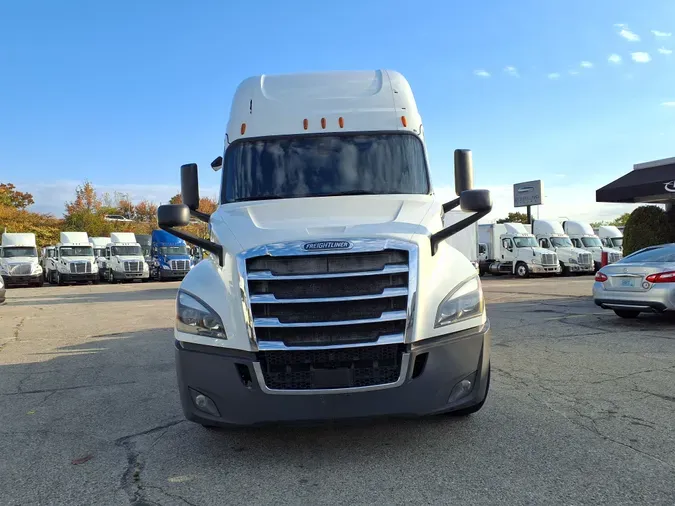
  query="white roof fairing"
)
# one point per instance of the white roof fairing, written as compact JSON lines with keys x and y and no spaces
{"x":271,"y":105}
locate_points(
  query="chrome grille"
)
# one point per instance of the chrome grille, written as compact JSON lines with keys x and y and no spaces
{"x":20,"y":269}
{"x":549,"y":259}
{"x":133,"y":266}
{"x":179,"y":265}
{"x":80,"y":267}
{"x":613,"y":257}
{"x":328,"y":299}
{"x":585,"y":259}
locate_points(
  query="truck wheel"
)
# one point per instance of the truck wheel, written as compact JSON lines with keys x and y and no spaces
{"x":521,"y":270}
{"x":476,"y":407}
{"x":40,"y":281}
{"x":111,"y":277}
{"x":57,"y":278}
{"x":626,"y":313}
{"x":564,"y":270}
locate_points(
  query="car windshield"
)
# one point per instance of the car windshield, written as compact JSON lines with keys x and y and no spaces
{"x":525,"y":242}
{"x":591,"y":242}
{"x":18,"y":251}
{"x":76,"y":251}
{"x":126,"y":251}
{"x":561,"y":242}
{"x":173,"y":250}
{"x":324,"y":165}
{"x":656,"y":254}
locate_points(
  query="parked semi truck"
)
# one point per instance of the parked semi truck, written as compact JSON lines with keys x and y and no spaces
{"x":47,"y":260}
{"x":73,"y":261}
{"x":550,"y":235}
{"x":611,"y":237}
{"x":169,"y":258}
{"x":124,"y":259}
{"x":99,"y":244}
{"x":330,"y":290}
{"x":19,"y":263}
{"x":508,"y":248}
{"x":583,"y":237}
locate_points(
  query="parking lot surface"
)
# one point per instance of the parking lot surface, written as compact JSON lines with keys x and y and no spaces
{"x":581,"y":411}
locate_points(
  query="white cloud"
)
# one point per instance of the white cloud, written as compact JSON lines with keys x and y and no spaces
{"x":512,"y":71}
{"x":573,"y":72}
{"x":553,"y":76}
{"x":663,"y":50}
{"x":586,"y":64}
{"x":619,"y":25}
{"x":556,"y":203}
{"x":614,"y":58}
{"x":661,"y":34}
{"x":628,"y":35}
{"x":481,"y":73}
{"x":51,"y":197}
{"x":641,"y":57}
{"x":668,"y":104}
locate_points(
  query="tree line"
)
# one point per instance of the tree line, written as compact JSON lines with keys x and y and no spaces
{"x":86,"y":213}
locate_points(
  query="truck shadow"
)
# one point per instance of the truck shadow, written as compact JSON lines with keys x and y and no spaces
{"x":61,"y":297}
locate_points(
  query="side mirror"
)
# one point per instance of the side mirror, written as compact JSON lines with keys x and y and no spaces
{"x":463,"y":171}
{"x":475,"y":201}
{"x":189,"y":186}
{"x":217,"y":164}
{"x":173,"y":215}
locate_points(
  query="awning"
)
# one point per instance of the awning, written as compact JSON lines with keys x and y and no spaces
{"x":650,"y":184}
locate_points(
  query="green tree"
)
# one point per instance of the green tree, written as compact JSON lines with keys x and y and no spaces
{"x":621,"y":220}
{"x":516,"y":217}
{"x":647,"y":226}
{"x":11,"y":197}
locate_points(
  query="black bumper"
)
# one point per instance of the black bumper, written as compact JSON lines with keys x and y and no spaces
{"x":78,"y":278}
{"x":436,"y":366}
{"x":167,"y":274}
{"x":22,"y":280}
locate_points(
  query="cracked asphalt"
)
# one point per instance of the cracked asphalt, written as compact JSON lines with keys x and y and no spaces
{"x":581,"y":411}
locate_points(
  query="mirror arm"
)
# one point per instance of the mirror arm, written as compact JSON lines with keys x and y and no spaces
{"x":449,"y":206}
{"x":212,"y":247}
{"x":441,"y":235}
{"x":200,"y":215}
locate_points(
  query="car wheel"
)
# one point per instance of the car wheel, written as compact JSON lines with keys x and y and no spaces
{"x":626,"y":313}
{"x":476,"y":407}
{"x":521,"y":270}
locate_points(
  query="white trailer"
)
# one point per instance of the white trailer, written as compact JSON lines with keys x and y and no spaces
{"x":19,"y":263}
{"x":124,"y":259}
{"x":508,"y":248}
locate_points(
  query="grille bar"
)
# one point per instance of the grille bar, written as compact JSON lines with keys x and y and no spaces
{"x":386,"y":317}
{"x":270,"y":298}
{"x":268,"y":275}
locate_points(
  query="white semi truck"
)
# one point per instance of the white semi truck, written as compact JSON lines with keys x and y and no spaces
{"x":583,"y":237}
{"x":508,"y":248}
{"x":330,"y":290}
{"x":550,"y":235}
{"x":99,"y":245}
{"x":611,"y":237}
{"x":124,"y":259}
{"x":19,"y":263}
{"x":73,"y":261}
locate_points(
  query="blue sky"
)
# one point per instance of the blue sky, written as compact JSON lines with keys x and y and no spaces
{"x":124,"y":92}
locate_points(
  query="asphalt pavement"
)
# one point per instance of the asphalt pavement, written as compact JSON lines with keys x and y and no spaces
{"x":581,"y":411}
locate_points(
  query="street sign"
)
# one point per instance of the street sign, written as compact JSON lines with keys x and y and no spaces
{"x":529,"y":193}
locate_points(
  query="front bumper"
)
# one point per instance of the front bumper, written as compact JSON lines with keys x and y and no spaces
{"x":580,"y":268}
{"x":436,"y":366}
{"x":70,"y":277}
{"x":169,"y":274}
{"x":544,"y":269}
{"x":27,"y":279}
{"x":131,"y":275}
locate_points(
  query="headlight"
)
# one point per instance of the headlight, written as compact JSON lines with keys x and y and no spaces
{"x":167,"y":267}
{"x":94,"y":267}
{"x":573,"y":261}
{"x":465,"y":301}
{"x":195,"y":317}
{"x":4,"y":269}
{"x":36,"y":269}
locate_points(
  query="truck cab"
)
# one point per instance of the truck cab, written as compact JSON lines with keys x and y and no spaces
{"x":19,"y":263}
{"x":145,"y":241}
{"x":550,"y":235}
{"x":509,"y":248}
{"x":99,"y":246}
{"x":611,"y":237}
{"x":74,"y":260}
{"x":330,"y":290}
{"x":124,"y":259}
{"x":47,"y":260}
{"x":169,"y":257}
{"x":582,"y":236}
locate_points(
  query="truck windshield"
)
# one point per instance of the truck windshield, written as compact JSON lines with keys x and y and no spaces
{"x":126,"y":251}
{"x":99,"y":252}
{"x":173,"y":250}
{"x":76,"y":251}
{"x":324,"y":165}
{"x":525,"y":242}
{"x":18,"y":251}
{"x":616,"y":242}
{"x":591,"y":242}
{"x":561,"y":242}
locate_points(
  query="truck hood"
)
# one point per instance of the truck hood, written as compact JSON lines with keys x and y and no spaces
{"x":19,"y":260}
{"x":130,"y":258}
{"x":78,"y":259}
{"x":241,"y":226}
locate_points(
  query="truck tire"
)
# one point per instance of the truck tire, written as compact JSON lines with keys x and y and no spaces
{"x":476,"y":407}
{"x":111,"y":277}
{"x":564,"y":270}
{"x":40,"y":281}
{"x":626,"y":313}
{"x":521,"y":270}
{"x":57,"y":279}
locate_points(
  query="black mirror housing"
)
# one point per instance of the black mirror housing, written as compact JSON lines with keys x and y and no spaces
{"x":217,"y":164}
{"x":475,"y":201}
{"x":173,"y":215}
{"x":463,"y":171}
{"x":189,"y":185}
